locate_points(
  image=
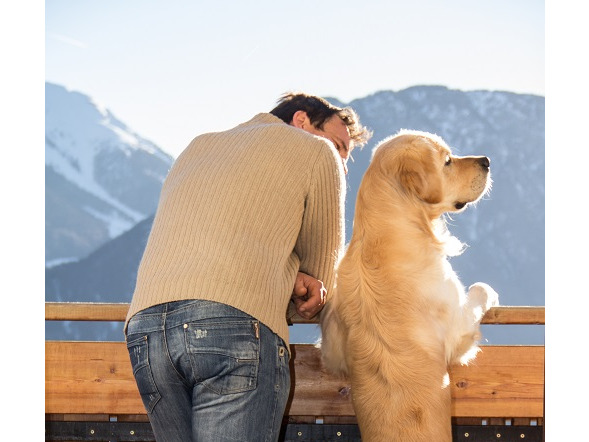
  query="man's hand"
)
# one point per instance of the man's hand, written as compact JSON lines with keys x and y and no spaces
{"x":309,"y":295}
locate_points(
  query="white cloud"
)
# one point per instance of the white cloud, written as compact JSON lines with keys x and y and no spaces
{"x":67,"y":40}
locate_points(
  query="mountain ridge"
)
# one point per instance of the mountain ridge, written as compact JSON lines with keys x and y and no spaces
{"x":101,"y":178}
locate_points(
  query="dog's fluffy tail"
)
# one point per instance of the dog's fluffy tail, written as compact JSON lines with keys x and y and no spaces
{"x":332,"y":341}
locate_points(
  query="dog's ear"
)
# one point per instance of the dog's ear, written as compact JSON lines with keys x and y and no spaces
{"x":419,"y":176}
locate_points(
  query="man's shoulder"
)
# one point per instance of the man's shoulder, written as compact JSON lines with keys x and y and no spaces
{"x":263,"y":121}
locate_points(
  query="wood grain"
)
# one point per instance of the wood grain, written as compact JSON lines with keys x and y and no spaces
{"x":96,"y":378}
{"x":117,"y":312}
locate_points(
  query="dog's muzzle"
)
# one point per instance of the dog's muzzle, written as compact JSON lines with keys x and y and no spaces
{"x":484,"y":162}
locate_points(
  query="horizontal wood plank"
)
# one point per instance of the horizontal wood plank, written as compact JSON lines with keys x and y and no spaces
{"x":96,"y":377}
{"x":89,"y":377}
{"x":86,"y":311}
{"x":117,"y":312}
{"x":505,"y":381}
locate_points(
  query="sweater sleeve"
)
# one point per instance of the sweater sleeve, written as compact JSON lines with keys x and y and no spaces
{"x":321,"y":238}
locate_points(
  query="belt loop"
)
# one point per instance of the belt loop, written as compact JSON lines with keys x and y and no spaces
{"x":164,"y":317}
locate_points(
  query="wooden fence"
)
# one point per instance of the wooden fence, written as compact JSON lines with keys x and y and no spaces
{"x":90,"y":392}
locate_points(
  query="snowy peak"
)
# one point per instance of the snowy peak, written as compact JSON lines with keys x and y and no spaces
{"x":97,"y":169}
{"x":88,"y":124}
{"x":77,"y":130}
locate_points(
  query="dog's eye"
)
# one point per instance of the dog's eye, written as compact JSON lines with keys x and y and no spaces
{"x":448,"y":160}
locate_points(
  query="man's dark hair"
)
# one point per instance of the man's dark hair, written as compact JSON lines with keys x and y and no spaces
{"x":319,"y":111}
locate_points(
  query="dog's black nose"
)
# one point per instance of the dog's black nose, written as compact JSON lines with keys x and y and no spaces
{"x":485,"y":162}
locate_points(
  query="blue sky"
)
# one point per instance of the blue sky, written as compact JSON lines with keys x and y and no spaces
{"x":171,"y":70}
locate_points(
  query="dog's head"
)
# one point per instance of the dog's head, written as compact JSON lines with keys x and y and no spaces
{"x":422,"y":166}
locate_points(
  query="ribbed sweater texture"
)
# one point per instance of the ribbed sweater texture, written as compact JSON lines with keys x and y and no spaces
{"x":240,"y":213}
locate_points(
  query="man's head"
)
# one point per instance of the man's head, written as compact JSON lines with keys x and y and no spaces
{"x":319,"y":117}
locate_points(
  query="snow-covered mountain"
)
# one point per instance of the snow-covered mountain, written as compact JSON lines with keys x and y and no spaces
{"x":504,"y":232}
{"x":101,"y":178}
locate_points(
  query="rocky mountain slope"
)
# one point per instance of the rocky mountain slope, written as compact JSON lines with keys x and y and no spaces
{"x":101,"y":178}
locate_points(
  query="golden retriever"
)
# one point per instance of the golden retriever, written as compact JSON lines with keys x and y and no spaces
{"x":399,"y":315}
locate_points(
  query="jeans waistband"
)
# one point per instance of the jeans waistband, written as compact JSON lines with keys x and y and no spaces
{"x":172,"y":314}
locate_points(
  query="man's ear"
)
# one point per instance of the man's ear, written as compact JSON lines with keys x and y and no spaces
{"x":300,"y":119}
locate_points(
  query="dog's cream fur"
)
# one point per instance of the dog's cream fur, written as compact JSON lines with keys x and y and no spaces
{"x":399,"y":315}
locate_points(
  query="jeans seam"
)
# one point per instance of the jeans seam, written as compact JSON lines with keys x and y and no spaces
{"x":278,"y":373}
{"x":185,"y":381}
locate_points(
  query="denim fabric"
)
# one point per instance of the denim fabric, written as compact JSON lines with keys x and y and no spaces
{"x":208,"y":372}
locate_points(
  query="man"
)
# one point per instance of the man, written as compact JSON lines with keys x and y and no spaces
{"x":248,"y":219}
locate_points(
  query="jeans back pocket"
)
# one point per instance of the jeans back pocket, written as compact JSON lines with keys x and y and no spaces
{"x":224,"y":355}
{"x":139,"y":354}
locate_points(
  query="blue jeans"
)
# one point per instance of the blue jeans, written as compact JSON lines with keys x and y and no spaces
{"x":208,"y":372}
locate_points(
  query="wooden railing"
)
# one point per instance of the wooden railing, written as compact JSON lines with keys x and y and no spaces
{"x":90,"y":391}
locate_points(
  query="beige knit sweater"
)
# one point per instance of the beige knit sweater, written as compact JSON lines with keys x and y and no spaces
{"x":240,"y":213}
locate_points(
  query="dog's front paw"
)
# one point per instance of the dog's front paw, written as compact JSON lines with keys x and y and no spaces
{"x":481,"y":297}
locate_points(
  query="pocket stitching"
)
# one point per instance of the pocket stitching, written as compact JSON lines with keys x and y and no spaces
{"x":252,"y":360}
{"x":144,"y":364}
